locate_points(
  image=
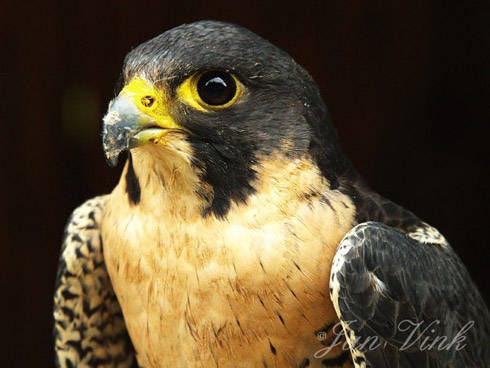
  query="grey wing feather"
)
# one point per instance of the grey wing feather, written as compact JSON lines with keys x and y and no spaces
{"x":404,"y":303}
{"x":89,"y":329}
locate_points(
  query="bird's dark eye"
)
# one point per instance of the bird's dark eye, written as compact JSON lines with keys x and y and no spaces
{"x":216,"y":88}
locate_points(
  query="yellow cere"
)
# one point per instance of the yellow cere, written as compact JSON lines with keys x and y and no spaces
{"x":187,"y":92}
{"x":150,"y":101}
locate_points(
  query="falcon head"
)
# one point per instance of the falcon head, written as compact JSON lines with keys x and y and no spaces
{"x":220,"y":99}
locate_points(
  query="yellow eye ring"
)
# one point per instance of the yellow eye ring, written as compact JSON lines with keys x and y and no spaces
{"x":211,"y":90}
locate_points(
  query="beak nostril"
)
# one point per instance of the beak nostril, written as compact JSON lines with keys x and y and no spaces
{"x":147,"y":101}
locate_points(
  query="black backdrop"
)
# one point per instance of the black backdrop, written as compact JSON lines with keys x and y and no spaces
{"x":407,"y":84}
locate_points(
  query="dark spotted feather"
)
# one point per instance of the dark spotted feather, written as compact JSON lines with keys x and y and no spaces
{"x":89,"y":329}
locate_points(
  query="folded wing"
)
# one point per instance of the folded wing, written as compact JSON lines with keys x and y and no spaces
{"x":404,"y":302}
{"x":89,"y":329}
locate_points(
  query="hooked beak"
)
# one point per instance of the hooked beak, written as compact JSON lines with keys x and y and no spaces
{"x":135,"y":117}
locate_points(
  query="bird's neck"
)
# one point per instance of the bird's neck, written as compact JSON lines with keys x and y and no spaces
{"x":155,"y":178}
{"x":163,"y":182}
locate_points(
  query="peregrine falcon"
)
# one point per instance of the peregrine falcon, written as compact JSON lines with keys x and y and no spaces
{"x":239,"y":234}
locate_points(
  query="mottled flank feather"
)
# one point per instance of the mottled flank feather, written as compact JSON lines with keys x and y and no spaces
{"x":89,"y":328}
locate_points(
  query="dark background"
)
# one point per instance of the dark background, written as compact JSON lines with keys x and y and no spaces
{"x":407,"y":84}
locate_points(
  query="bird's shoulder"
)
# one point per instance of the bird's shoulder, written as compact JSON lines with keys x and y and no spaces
{"x":371,"y":206}
{"x":393,"y":268}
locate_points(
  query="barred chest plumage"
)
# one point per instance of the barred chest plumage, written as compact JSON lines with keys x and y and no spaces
{"x":247,"y":290}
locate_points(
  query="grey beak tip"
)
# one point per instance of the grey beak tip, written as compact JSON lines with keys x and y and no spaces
{"x":121,"y":123}
{"x":112,"y":160}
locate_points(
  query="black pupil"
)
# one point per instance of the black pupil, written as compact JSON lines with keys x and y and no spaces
{"x":216,"y":88}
